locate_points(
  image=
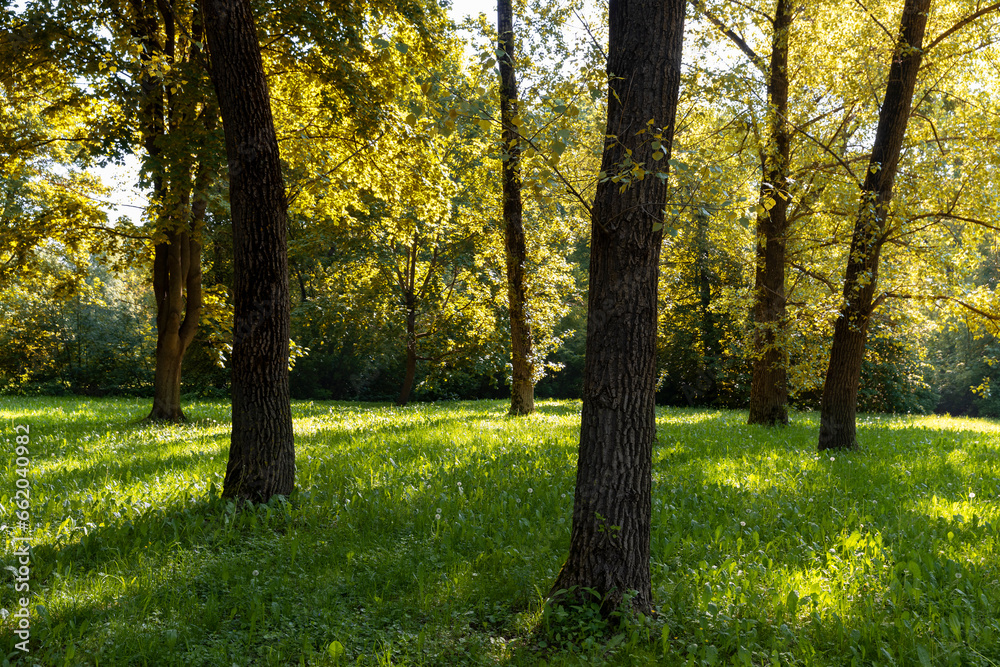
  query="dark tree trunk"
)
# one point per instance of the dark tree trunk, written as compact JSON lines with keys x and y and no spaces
{"x":522,"y":389}
{"x":408,"y":286}
{"x":769,"y":377}
{"x":262,"y":451}
{"x":709,"y":338}
{"x":177,"y":257}
{"x":176,"y":271}
{"x":609,"y":546}
{"x":838,"y":408}
{"x":411,"y":350}
{"x":177,"y":290}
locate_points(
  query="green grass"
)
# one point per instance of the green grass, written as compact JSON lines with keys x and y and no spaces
{"x":428,"y":536}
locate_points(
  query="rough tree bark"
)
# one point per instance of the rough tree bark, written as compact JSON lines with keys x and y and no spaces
{"x":609,"y":545}
{"x":769,"y":376}
{"x":705,"y":386}
{"x":408,"y":285}
{"x":262,"y":452}
{"x":179,"y":220}
{"x":838,"y":409}
{"x":177,"y":281}
{"x":522,"y":389}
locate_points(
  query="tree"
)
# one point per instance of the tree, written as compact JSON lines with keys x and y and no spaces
{"x":262,"y":452}
{"x":840,"y":392}
{"x":522,"y":389}
{"x":46,"y":198}
{"x":147,"y":82}
{"x":609,"y":544}
{"x":769,"y":379}
{"x":176,"y":122}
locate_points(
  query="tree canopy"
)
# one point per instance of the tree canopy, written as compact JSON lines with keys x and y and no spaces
{"x":388,"y":118}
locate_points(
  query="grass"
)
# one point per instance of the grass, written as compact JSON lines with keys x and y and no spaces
{"x":429,"y":535}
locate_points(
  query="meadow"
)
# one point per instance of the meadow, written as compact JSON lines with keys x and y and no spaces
{"x":430,"y":535}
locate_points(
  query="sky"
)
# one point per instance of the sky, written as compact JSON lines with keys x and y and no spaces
{"x":462,"y":8}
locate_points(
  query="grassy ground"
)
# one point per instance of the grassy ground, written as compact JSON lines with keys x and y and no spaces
{"x":428,"y":536}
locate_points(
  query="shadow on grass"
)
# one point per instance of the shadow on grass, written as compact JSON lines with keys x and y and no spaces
{"x":363,"y":560}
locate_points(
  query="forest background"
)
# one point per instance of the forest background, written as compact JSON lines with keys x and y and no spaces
{"x":388,"y":121}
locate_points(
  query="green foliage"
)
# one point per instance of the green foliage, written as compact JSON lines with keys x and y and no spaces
{"x":893,"y":374}
{"x":79,"y":329}
{"x":423,"y":535}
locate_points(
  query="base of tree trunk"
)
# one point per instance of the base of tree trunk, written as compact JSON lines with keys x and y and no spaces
{"x":164,"y":414}
{"x":837,"y":434}
{"x":522,"y":403}
{"x":775,"y":416}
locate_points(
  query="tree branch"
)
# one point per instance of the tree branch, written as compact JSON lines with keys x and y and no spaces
{"x":758,"y":62}
{"x":961,"y":24}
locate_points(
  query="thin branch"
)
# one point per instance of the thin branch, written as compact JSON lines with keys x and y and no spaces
{"x":116,"y":232}
{"x":961,"y":24}
{"x":960,"y":218}
{"x":586,"y":26}
{"x":839,"y":160}
{"x":340,"y":164}
{"x":758,"y":62}
{"x":993,"y":318}
{"x":937,"y":140}
{"x":872,"y":17}
{"x":754,"y":10}
{"x":815,"y":276}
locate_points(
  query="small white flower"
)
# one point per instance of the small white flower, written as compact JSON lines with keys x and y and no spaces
{"x":564,"y":495}
{"x":530,"y":490}
{"x":255,"y":573}
{"x":971,"y":496}
{"x":958,"y":575}
{"x":743,"y":523}
{"x":438,"y":510}
{"x":437,"y":517}
{"x":833,"y":458}
{"x":460,"y":484}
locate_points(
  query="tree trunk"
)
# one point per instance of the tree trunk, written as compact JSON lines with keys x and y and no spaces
{"x":411,"y":350}
{"x":838,"y":409}
{"x":609,"y":545}
{"x":177,"y":258}
{"x":176,"y":288}
{"x":705,"y":383}
{"x":522,"y":389}
{"x":769,"y":377}
{"x":176,"y":270}
{"x":262,"y":451}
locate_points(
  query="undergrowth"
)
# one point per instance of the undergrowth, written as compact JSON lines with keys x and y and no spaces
{"x":430,"y":535}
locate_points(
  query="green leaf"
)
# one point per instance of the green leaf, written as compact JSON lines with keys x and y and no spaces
{"x":402,"y":47}
{"x":336,"y":650}
{"x":923,"y":656}
{"x":792,"y":602}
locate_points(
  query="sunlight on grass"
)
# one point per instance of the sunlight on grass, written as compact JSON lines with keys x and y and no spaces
{"x":428,"y":535}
